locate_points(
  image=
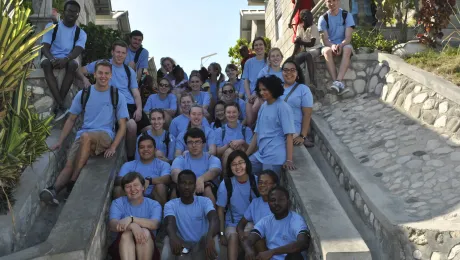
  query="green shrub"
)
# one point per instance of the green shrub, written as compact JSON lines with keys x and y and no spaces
{"x":372,"y":39}
{"x":99,"y":42}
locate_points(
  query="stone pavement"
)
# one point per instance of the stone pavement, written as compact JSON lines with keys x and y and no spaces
{"x":409,"y":160}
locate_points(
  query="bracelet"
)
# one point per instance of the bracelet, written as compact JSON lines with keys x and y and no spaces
{"x":289,"y":161}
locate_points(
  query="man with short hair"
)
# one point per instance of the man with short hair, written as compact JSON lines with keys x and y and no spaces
{"x":336,"y":28}
{"x":155,"y":171}
{"x":124,"y":79}
{"x":61,"y":47}
{"x":286,"y":233}
{"x":136,"y":220}
{"x":100,"y":112}
{"x":207,"y":167}
{"x":192,"y":224}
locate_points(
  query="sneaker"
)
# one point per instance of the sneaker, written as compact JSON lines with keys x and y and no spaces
{"x":61,"y":114}
{"x":48,"y":195}
{"x":343,"y":90}
{"x":336,"y":86}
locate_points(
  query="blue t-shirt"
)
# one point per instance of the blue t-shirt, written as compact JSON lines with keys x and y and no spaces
{"x":267,"y":71}
{"x":232,"y":134}
{"x":180,"y":123}
{"x":154,"y":101}
{"x":121,"y":208}
{"x":273,"y":123}
{"x":63,"y":43}
{"x":198,"y":165}
{"x":336,"y":31}
{"x":142,"y":62}
{"x":300,"y":98}
{"x":203,"y":98}
{"x":210,"y":139}
{"x":191,"y":219}
{"x":242,"y":105}
{"x":119,"y":79}
{"x":99,"y":112}
{"x":252,"y":67}
{"x":213,"y":89}
{"x":242,"y":196}
{"x":168,"y":150}
{"x":257,"y":210}
{"x":281,"y":232}
{"x":157,"y":168}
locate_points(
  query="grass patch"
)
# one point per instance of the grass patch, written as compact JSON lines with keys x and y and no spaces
{"x":445,"y":64}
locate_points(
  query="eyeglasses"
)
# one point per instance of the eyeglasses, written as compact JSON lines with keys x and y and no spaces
{"x":231,"y":91}
{"x":163,"y":85}
{"x":289,"y":70}
{"x":238,"y":164}
{"x":193,"y":143}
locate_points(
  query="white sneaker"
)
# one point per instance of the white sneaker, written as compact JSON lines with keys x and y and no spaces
{"x":61,"y":114}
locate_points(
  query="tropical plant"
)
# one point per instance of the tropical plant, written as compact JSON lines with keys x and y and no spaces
{"x":372,"y":39}
{"x":234,"y":52}
{"x":99,"y":42}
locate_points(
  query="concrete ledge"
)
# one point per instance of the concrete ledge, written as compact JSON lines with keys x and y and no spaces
{"x":334,"y":235}
{"x":428,"y":79}
{"x":81,"y":231}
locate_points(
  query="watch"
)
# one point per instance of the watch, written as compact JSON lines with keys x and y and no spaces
{"x":303,"y":137}
{"x":132,"y":219}
{"x":222,"y":233}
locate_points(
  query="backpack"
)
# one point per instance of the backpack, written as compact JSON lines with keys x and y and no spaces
{"x":138,"y":53}
{"x":113,"y":98}
{"x":166,"y":141}
{"x":229,"y":187}
{"x":344,"y":17}
{"x":128,"y":73}
{"x":75,"y":38}
{"x":243,"y":131}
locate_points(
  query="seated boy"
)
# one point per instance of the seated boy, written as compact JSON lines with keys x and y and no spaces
{"x":135,"y":219}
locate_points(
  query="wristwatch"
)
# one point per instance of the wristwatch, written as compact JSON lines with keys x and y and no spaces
{"x":132,"y":219}
{"x":222,"y":233}
{"x":303,"y":137}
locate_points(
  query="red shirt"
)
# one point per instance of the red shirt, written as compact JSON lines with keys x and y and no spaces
{"x":304,"y":4}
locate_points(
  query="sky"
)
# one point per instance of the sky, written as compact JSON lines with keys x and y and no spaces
{"x":186,"y":30}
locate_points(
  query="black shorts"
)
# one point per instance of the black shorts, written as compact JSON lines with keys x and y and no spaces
{"x":141,"y":124}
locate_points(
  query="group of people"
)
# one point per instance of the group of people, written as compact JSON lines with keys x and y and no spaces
{"x":204,"y":154}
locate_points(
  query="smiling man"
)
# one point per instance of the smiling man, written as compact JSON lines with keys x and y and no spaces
{"x":135,"y":219}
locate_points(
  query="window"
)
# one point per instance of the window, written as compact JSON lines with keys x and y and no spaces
{"x":278,"y":20}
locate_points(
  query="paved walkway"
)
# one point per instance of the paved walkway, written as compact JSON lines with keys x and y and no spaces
{"x":411,"y":161}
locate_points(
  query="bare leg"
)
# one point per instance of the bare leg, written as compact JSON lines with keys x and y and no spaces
{"x":173,"y":194}
{"x":160,"y":194}
{"x":127,"y":246}
{"x":64,"y":176}
{"x":346,"y":55}
{"x":72,"y":66}
{"x":224,"y":160}
{"x":86,"y":143}
{"x":208,"y":193}
{"x":131,"y":137}
{"x":51,"y":81}
{"x":145,"y":251}
{"x":311,"y":68}
{"x":330,"y":62}
{"x":260,"y":246}
{"x":232,"y":251}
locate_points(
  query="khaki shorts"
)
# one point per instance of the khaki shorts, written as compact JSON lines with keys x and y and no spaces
{"x":103,"y":143}
{"x":45,"y":58}
{"x":232,"y":230}
{"x":346,"y":46}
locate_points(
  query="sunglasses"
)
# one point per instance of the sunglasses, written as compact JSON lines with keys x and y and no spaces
{"x":163,"y":85}
{"x":231,"y":91}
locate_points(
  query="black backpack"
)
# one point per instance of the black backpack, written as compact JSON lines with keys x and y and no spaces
{"x":75,"y":38}
{"x":128,"y":73}
{"x":113,"y":98}
{"x":243,"y":131}
{"x":138,"y":53}
{"x":166,"y":141}
{"x":344,"y":18}
{"x":229,"y":187}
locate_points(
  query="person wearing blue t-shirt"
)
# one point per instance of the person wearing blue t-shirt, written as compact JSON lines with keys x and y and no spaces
{"x":196,"y":121}
{"x":274,"y":64}
{"x":285,"y":232}
{"x":216,"y":77}
{"x":96,"y":135}
{"x":127,"y":84}
{"x":165,"y":142}
{"x":272,"y":144}
{"x":336,"y":34}
{"x":61,"y":47}
{"x":136,"y":220}
{"x":180,"y":122}
{"x":201,"y":98}
{"x":207,"y":167}
{"x":253,"y":66}
{"x":234,"y":195}
{"x":232,"y":73}
{"x":219,"y":115}
{"x":164,"y":99}
{"x":299,"y":97}
{"x":192,"y":224}
{"x":258,"y":209}
{"x":156,"y":172}
{"x":229,"y":95}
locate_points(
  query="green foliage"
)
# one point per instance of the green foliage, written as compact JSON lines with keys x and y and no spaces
{"x":234,"y":52}
{"x":58,"y":4}
{"x":99,"y":42}
{"x":372,"y":39}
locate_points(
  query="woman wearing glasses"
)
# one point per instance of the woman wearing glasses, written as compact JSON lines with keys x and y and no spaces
{"x":164,"y":100}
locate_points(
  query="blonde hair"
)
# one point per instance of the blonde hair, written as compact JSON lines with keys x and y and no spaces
{"x":270,"y":53}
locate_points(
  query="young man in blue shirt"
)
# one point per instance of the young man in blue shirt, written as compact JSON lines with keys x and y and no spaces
{"x":124,"y":79}
{"x":61,"y":47}
{"x":96,"y":136}
{"x":207,"y":167}
{"x":156,"y":172}
{"x":285,"y":231}
{"x":336,"y":31}
{"x":192,"y":224}
{"x":135,"y":219}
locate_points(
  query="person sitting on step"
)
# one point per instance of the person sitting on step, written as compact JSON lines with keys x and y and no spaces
{"x":180,"y":123}
{"x":135,"y":219}
{"x":124,"y":78}
{"x":207,"y":167}
{"x":156,"y":172}
{"x":285,"y":232}
{"x":101,"y":106}
{"x":165,"y":100}
{"x":61,"y":47}
{"x":336,"y":28}
{"x":192,"y":224}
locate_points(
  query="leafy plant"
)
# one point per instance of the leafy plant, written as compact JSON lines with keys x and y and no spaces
{"x":234,"y":52}
{"x":372,"y":39}
{"x":99,"y":42}
{"x":435,"y":16}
